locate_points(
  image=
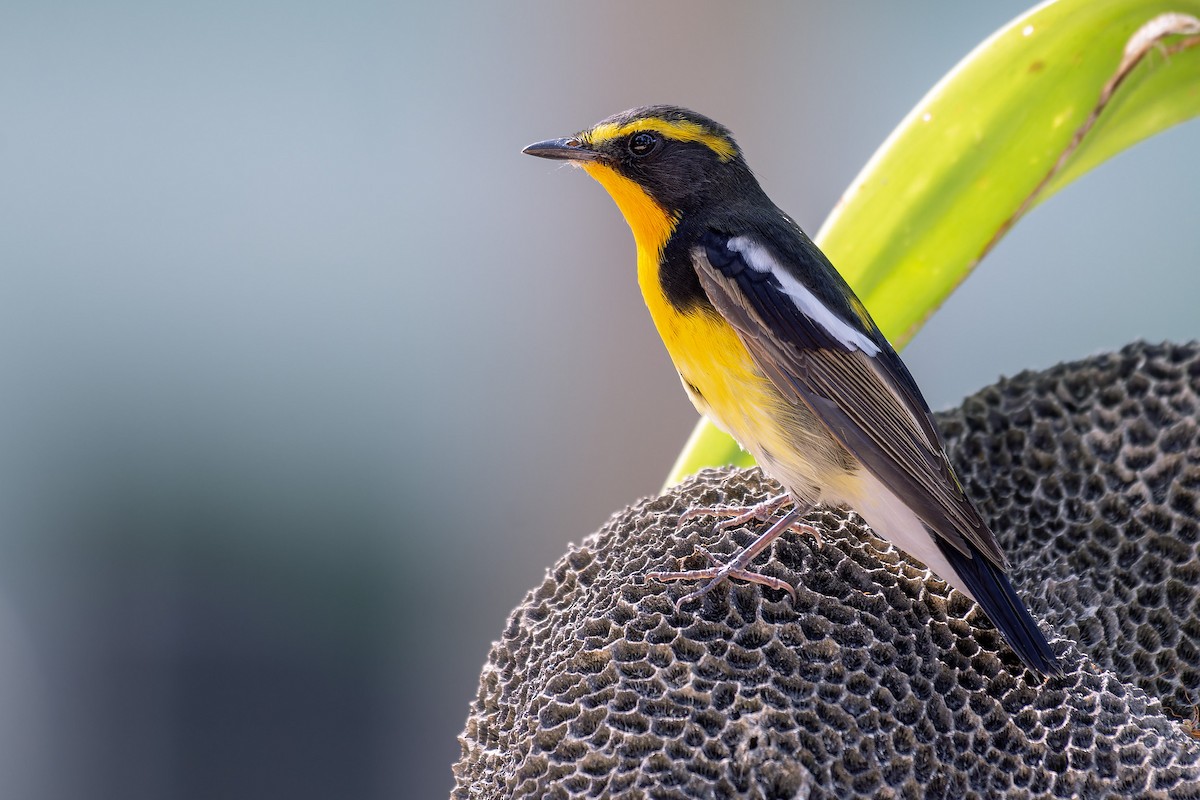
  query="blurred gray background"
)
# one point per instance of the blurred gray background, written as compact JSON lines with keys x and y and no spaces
{"x":307,"y":374}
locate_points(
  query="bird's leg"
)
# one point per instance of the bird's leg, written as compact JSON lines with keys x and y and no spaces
{"x":739,"y":515}
{"x":738,"y":566}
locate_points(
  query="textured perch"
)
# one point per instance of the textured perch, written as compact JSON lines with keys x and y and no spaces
{"x":878,"y":681}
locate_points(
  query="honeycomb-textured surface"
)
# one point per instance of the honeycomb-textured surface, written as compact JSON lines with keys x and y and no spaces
{"x":878,"y":681}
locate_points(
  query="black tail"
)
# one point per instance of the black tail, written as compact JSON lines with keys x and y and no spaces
{"x":995,"y":594}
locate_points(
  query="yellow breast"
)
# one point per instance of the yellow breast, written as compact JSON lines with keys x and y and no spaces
{"x":725,"y":384}
{"x":718,"y":372}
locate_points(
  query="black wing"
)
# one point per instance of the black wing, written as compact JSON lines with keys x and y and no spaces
{"x":799,"y":321}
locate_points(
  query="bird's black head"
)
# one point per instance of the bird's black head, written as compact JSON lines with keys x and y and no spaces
{"x":684,"y":161}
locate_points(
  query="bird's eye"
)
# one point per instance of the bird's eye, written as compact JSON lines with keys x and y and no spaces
{"x":643,"y":143}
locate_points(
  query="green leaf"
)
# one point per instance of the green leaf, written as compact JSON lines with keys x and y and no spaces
{"x":1043,"y":100}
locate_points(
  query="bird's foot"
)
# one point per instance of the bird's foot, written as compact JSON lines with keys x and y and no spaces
{"x":738,"y":515}
{"x":738,"y":566}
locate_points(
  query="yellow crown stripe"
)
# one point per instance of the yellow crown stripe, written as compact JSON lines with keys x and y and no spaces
{"x":681,"y":130}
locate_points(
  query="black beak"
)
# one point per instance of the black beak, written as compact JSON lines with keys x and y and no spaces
{"x":570,"y":149}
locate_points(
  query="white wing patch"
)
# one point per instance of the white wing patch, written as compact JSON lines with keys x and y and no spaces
{"x":760,"y":260}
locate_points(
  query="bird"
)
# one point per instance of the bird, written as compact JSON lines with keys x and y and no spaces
{"x":773,"y":346}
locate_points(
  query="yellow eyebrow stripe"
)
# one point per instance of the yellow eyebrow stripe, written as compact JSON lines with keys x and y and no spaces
{"x":681,"y":130}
